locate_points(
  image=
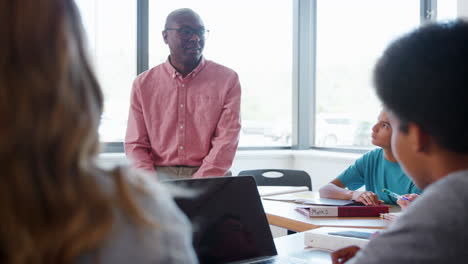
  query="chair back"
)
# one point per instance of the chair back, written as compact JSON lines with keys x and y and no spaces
{"x":279,"y":177}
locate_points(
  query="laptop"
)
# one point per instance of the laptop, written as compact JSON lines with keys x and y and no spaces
{"x":229,"y":222}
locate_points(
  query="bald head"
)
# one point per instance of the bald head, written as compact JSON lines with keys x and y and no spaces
{"x":184,"y":33}
{"x":180,"y":14}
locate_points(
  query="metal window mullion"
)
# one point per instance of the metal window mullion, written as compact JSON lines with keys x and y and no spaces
{"x":428,"y":11}
{"x":142,"y":35}
{"x":142,"y":58}
{"x":304,"y":46}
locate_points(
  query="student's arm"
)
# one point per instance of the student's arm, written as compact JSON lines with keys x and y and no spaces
{"x":337,"y":190}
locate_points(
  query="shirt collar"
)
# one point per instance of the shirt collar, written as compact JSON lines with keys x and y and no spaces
{"x":174,"y":73}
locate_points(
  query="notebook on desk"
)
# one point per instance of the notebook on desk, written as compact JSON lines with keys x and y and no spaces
{"x":230,"y":225}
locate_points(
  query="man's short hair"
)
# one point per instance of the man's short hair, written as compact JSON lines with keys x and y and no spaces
{"x":422,"y":78}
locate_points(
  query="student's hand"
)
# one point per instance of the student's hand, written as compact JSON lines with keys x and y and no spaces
{"x":342,"y":255}
{"x":404,"y":203}
{"x":366,"y":197}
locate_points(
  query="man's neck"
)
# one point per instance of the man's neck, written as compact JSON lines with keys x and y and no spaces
{"x":184,"y":68}
{"x":388,"y":155}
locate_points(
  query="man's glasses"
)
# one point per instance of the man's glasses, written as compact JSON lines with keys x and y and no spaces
{"x":187,"y":33}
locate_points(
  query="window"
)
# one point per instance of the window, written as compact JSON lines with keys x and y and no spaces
{"x":255,"y":38}
{"x":257,"y":44}
{"x":110,"y":26}
{"x":446,"y":9}
{"x":351,"y":35}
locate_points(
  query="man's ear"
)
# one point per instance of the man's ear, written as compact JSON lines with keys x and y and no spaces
{"x":164,"y":35}
{"x":419,"y":139}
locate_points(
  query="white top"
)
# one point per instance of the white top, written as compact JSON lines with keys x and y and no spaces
{"x":169,"y":242}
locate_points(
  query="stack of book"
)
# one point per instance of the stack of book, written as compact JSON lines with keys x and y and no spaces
{"x":333,"y":238}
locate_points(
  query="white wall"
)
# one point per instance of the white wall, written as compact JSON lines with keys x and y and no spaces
{"x":262,"y":159}
{"x":322,"y":166}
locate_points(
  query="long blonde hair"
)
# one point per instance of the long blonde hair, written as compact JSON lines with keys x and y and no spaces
{"x":51,"y":208}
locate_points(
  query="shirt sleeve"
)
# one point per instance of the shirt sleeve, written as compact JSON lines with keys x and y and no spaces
{"x":353,"y":176}
{"x":226,"y":137}
{"x":137,"y":143}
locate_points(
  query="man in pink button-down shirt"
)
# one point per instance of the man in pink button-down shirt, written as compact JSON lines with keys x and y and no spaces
{"x":184,"y":117}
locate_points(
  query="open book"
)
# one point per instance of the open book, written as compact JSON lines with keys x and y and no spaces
{"x":311,"y":198}
{"x":276,"y":190}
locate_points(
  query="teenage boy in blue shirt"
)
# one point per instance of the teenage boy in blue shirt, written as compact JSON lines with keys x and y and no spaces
{"x":376,"y":170}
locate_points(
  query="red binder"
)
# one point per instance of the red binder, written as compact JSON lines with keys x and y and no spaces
{"x":349,"y":211}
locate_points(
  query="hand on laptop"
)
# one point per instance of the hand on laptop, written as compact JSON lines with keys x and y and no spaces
{"x":405,"y":203}
{"x":366,"y":197}
{"x":342,"y":255}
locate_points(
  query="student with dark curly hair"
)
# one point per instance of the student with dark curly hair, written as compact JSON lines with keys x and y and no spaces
{"x":422,"y":79}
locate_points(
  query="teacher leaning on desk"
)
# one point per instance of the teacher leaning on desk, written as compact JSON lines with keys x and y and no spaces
{"x":422,"y":78}
{"x":184,"y":118}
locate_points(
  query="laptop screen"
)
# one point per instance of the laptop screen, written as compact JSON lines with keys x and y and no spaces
{"x":229,"y":222}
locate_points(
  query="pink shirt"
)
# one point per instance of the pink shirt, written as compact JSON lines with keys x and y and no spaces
{"x":191,"y":121}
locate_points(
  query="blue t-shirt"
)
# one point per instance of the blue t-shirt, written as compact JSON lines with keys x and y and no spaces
{"x":376,"y":173}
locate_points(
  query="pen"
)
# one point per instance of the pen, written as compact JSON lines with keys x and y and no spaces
{"x":394,"y":195}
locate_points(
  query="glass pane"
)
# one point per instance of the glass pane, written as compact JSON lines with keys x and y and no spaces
{"x":351,"y":35}
{"x":446,"y":10}
{"x":257,"y":44}
{"x":110,"y":27}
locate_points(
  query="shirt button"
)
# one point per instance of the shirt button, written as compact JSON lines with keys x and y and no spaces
{"x":181,"y":126}
{"x":181,"y":147}
{"x":181,"y":105}
{"x":183,"y":85}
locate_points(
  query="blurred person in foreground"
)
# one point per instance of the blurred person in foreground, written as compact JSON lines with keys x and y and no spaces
{"x":56,"y":204}
{"x":422,"y":79}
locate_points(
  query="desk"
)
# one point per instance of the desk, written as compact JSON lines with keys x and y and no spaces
{"x":282,"y":214}
{"x":294,"y":245}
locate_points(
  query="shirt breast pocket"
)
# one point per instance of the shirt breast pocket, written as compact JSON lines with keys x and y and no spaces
{"x":205,"y":108}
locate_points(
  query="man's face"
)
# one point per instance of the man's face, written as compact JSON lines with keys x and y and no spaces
{"x":406,"y":149}
{"x":382,"y":131}
{"x":185,"y":39}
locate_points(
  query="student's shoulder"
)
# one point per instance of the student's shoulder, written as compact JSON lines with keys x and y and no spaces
{"x":130,"y":242}
{"x":444,"y":200}
{"x":452,"y":186}
{"x":142,"y":186}
{"x":150,"y":192}
{"x":145,"y":186}
{"x":372,"y":155}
